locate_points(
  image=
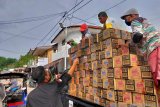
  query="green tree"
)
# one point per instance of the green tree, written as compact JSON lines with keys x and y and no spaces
{"x":7,"y":62}
{"x":24,"y":60}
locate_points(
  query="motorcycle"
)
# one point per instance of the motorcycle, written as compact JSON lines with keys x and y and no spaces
{"x":14,"y":97}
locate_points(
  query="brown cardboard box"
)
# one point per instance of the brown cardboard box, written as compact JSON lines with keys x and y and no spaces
{"x":95,"y":56}
{"x":111,"y":95}
{"x":125,"y":35}
{"x":117,"y":61}
{"x":96,"y":91}
{"x":111,"y":83}
{"x":90,"y":90}
{"x":86,"y":81}
{"x":121,"y":104}
{"x":106,"y":84}
{"x":119,"y":84}
{"x":125,"y":71}
{"x":80,"y":53}
{"x":83,"y":59}
{"x":87,"y":51}
{"x":97,"y":81}
{"x":84,"y":43}
{"x":123,"y":50}
{"x":118,"y":73}
{"x":89,"y":58}
{"x":110,"y":73}
{"x":94,"y":39}
{"x":130,"y":85}
{"x":130,"y":60}
{"x":96,"y":47}
{"x":81,"y":66}
{"x":107,"y":63}
{"x":107,"y":44}
{"x":104,"y":94}
{"x":104,"y":73}
{"x":83,"y":73}
{"x":96,"y":65}
{"x":134,"y":73}
{"x":138,"y":98}
{"x":88,"y":66}
{"x":97,"y":73}
{"x":139,"y":86}
{"x":111,"y":33}
{"x":98,"y":100}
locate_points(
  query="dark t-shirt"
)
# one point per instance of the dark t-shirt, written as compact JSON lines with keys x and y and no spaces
{"x":48,"y":94}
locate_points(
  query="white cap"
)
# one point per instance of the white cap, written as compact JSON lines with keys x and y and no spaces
{"x":129,"y":12}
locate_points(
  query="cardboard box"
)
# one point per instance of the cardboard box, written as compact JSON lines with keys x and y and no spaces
{"x":111,"y":95}
{"x":96,"y":65}
{"x":130,"y":60}
{"x":88,"y":58}
{"x":104,"y":93}
{"x":104,"y":73}
{"x":117,"y":61}
{"x":88,"y":66}
{"x":121,"y":104}
{"x":118,"y":73}
{"x":97,"y":73}
{"x":107,"y":44}
{"x":106,"y":84}
{"x":83,"y":73}
{"x":123,"y":50}
{"x":119,"y":84}
{"x":87,"y":51}
{"x":134,"y":73}
{"x":84,"y":43}
{"x":95,"y":56}
{"x":80,"y":53}
{"x":130,"y":85}
{"x":98,"y":100}
{"x":86,"y":81}
{"x":126,"y":35}
{"x":111,"y":82}
{"x":111,"y":33}
{"x":110,"y":73}
{"x":83,"y":59}
{"x":96,"y":91}
{"x":138,"y":98}
{"x":94,"y":39}
{"x":139,"y":86}
{"x":97,"y":81}
{"x":96,"y":47}
{"x":107,"y":63}
{"x":125,"y":71}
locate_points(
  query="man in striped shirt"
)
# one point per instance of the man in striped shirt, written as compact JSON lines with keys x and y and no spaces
{"x":147,"y":39}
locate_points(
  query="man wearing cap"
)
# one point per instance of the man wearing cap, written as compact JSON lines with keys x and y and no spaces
{"x":84,"y":31}
{"x":47,"y":93}
{"x":102,"y":16}
{"x":146,"y":37}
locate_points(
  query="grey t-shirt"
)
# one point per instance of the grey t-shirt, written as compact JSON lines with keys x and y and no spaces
{"x":47,"y":94}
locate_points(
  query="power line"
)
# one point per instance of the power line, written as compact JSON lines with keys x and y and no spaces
{"x":49,"y":32}
{"x":35,"y":27}
{"x":31,"y":19}
{"x":108,"y":8}
{"x":59,"y":22}
{"x":80,"y":7}
{"x":84,"y":20}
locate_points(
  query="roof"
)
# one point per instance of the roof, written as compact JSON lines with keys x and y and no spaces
{"x":74,"y":26}
{"x":39,"y":51}
{"x":12,"y":75}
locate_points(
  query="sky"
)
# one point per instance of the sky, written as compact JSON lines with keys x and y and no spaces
{"x":26,"y":24}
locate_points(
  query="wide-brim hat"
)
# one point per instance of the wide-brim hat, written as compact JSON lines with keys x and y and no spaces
{"x":129,"y":12}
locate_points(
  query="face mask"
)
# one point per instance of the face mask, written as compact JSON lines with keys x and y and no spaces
{"x":128,"y":23}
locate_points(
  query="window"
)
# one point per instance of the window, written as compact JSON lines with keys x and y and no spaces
{"x":63,"y":42}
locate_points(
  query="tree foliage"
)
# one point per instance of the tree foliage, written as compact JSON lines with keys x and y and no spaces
{"x":7,"y":62}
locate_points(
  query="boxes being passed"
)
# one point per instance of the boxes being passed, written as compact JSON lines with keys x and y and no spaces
{"x":117,"y":61}
{"x":119,"y":84}
{"x":111,"y":33}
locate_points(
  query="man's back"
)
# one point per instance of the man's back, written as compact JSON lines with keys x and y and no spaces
{"x":45,"y":95}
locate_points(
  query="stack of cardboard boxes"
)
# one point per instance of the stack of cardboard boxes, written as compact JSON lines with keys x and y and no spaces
{"x":111,"y":73}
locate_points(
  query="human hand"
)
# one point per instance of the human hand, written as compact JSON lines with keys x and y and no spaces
{"x":76,"y":61}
